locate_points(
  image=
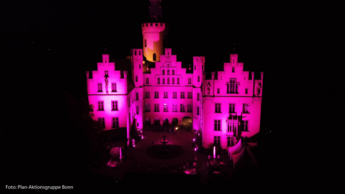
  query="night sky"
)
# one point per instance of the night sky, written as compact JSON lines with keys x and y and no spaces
{"x":50,"y":44}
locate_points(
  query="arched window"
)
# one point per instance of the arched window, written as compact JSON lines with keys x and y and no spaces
{"x":173,"y":72}
{"x":178,"y":80}
{"x":163,"y":72}
{"x":173,"y":80}
{"x":168,"y":72}
{"x":145,"y":43}
{"x":154,"y":56}
{"x":163,"y":81}
{"x":158,"y":80}
{"x":168,"y":81}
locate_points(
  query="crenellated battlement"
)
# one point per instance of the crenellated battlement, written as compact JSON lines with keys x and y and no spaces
{"x":199,"y":59}
{"x":152,"y":27}
{"x":136,"y":52}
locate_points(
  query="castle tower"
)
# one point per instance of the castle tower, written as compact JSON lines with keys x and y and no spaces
{"x":153,"y":33}
{"x":137,"y":67}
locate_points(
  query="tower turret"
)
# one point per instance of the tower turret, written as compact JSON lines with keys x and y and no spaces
{"x":153,"y":33}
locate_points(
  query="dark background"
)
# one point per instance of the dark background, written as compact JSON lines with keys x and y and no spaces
{"x":292,"y":44}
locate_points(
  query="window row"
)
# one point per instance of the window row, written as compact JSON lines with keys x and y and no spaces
{"x":168,"y":80}
{"x":174,"y":108}
{"x":228,"y":91}
{"x":232,"y":126}
{"x":231,"y":108}
{"x":168,"y":72}
{"x":114,"y":105}
{"x":182,"y":96}
{"x":230,"y":141}
{"x":113,"y":87}
{"x":115,"y":122}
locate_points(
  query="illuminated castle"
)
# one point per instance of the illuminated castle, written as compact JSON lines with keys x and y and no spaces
{"x":223,"y":110}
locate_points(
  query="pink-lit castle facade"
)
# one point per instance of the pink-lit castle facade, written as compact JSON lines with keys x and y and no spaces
{"x":223,"y":110}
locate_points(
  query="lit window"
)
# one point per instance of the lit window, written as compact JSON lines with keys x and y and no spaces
{"x":165,"y":108}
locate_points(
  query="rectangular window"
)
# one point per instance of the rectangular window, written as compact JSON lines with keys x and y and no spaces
{"x":137,"y":110}
{"x":137,"y":96}
{"x":174,"y":94}
{"x":233,"y":84}
{"x":178,"y":81}
{"x":233,"y":69}
{"x":113,"y":87}
{"x":165,"y":108}
{"x":198,"y":97}
{"x":197,"y":110}
{"x":232,"y":126}
{"x":147,"y":80}
{"x":156,"y":95}
{"x":100,"y":87}
{"x":182,"y":108}
{"x":147,"y":107}
{"x":158,"y":81}
{"x":189,"y":81}
{"x":217,"y":108}
{"x":189,"y":108}
{"x":156,"y":107}
{"x":246,"y":90}
{"x":218,"y":90}
{"x":165,"y":94}
{"x":245,"y":125}
{"x":182,"y":94}
{"x":101,"y":120}
{"x":190,"y":95}
{"x":136,"y":78}
{"x":198,"y":78}
{"x":217,"y":125}
{"x":174,"y":108}
{"x":231,"y":108}
{"x":245,"y":108}
{"x":230,"y":141}
{"x":147,"y":94}
{"x":115,"y":122}
{"x":100,"y":105}
{"x":216,"y":140}
{"x":114,"y":105}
